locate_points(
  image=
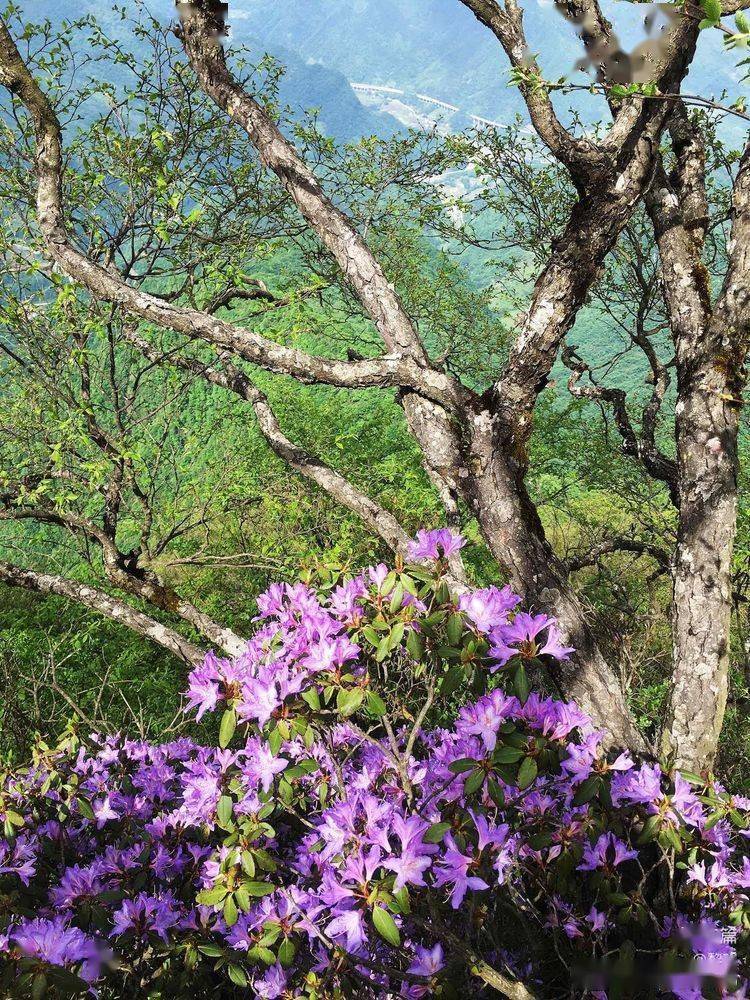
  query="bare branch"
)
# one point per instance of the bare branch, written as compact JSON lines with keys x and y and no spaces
{"x":426,"y":412}
{"x":104,"y":604}
{"x":228,"y":376}
{"x":582,"y":157}
{"x":640,"y":446}
{"x":593,"y":228}
{"x":619,"y":544}
{"x":124,"y":571}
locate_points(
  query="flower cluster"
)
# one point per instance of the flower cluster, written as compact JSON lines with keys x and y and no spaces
{"x":364,"y":827}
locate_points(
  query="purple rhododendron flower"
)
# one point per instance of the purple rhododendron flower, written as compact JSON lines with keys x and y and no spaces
{"x":527,"y":636}
{"x":56,"y":942}
{"x":488,"y":608}
{"x":485,"y":717}
{"x":434,"y":544}
{"x":145,"y":915}
{"x":607,"y":853}
{"x":454,"y":870}
{"x":175,"y":832}
{"x":272,"y":985}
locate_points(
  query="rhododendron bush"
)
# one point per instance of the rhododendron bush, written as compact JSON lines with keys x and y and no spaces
{"x":390,"y":811}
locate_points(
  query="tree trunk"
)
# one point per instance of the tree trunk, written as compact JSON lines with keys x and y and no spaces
{"x":515,"y":535}
{"x":710,"y":348}
{"x":707,"y":425}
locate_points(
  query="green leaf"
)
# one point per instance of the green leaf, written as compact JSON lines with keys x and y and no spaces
{"x":211,"y":950}
{"x":259,"y":954}
{"x":464,"y":764}
{"x":587,"y":790}
{"x":259,"y":888}
{"x":39,"y":986}
{"x":474,"y":782}
{"x":84,"y":809}
{"x":455,"y":628}
{"x":712,"y":820}
{"x":669,"y":837}
{"x":375,"y":704}
{"x":230,"y":911}
{"x":435,"y":833}
{"x":242,"y":898}
{"x":692,"y":777}
{"x":402,"y":903}
{"x":287,"y":951}
{"x":210,"y":897}
{"x":227,"y":727}
{"x":224,"y":810}
{"x":264,"y":860}
{"x":452,"y":680}
{"x":383,"y":649}
{"x":738,"y":819}
{"x":237,"y":975}
{"x":274,"y":741}
{"x":712,"y":9}
{"x":385,"y":925}
{"x":397,"y":598}
{"x":521,"y":684}
{"x":312,"y":698}
{"x":415,"y":644}
{"x":507,"y":755}
{"x":496,"y":793}
{"x":396,"y":636}
{"x":248,"y":863}
{"x":527,"y":772}
{"x":541,"y":840}
{"x":347,"y":702}
{"x":650,"y":828}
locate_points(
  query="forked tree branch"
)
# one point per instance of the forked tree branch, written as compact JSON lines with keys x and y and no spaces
{"x":611,"y":546}
{"x":122,"y":571}
{"x":428,"y":397}
{"x":634,"y":444}
{"x":398,"y":369}
{"x":595,"y":223}
{"x":583,"y":158}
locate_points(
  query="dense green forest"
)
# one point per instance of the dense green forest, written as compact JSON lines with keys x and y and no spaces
{"x":466,"y":286}
{"x":374,"y":537}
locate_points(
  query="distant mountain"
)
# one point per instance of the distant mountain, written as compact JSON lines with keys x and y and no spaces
{"x":306,"y":83}
{"x":437,"y":47}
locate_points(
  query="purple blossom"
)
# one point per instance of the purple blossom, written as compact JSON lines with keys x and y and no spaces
{"x":427,"y":962}
{"x":272,"y":984}
{"x":488,"y":608}
{"x":607,"y":853}
{"x":434,"y":544}
{"x":56,"y":942}
{"x":145,"y":915}
{"x":454,"y":870}
{"x":485,"y":717}
{"x":259,"y":765}
{"x":348,"y":927}
{"x":524,"y":637}
{"x":415,"y":856}
{"x":18,"y":858}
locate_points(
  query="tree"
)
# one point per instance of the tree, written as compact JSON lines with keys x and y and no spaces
{"x":475,"y":444}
